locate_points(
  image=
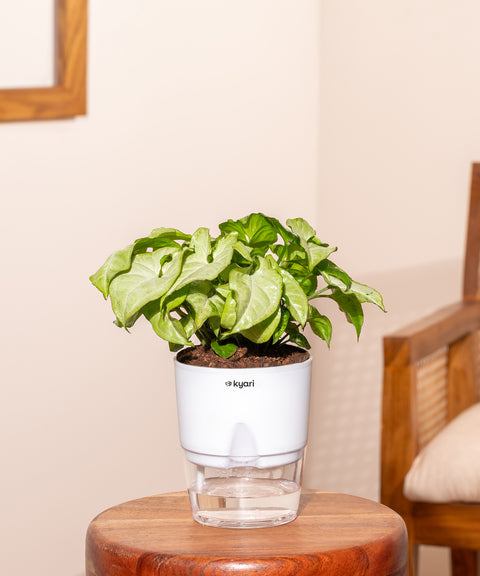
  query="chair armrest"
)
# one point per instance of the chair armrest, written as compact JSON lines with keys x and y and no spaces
{"x":424,"y":337}
{"x":453,"y":329}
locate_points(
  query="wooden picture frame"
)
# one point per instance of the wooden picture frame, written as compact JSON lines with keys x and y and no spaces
{"x":68,"y":96}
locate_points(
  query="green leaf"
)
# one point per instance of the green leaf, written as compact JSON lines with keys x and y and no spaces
{"x":214,"y":325}
{"x":304,"y":277}
{"x":130,"y":322}
{"x":316,"y":251}
{"x":263,"y":331}
{"x":149,"y":244}
{"x":257,"y":295}
{"x":280,"y":251}
{"x":320,"y":325}
{"x":290,"y":254}
{"x":168,"y":328}
{"x":285,"y":234}
{"x":260,"y":251}
{"x":218,"y":303}
{"x":256,"y":230}
{"x":225,"y":350}
{"x":298,"y":270}
{"x":335,"y":276}
{"x":225,"y":273}
{"x":232,"y":226}
{"x":244,"y":250}
{"x":169,"y":233}
{"x":351,"y":306}
{"x":223,"y":290}
{"x":366,"y":293}
{"x":229,"y":316}
{"x":201,"y":302}
{"x":174,"y":347}
{"x":296,"y":337}
{"x":280,"y":329}
{"x":201,"y":244}
{"x":295,"y":253}
{"x":259,"y":230}
{"x":147,"y":280}
{"x":119,"y":261}
{"x":301,"y":228}
{"x":309,"y":285}
{"x":295,"y":297}
{"x":188,"y":325}
{"x":158,"y":238}
{"x":175,"y":299}
{"x":201,"y":265}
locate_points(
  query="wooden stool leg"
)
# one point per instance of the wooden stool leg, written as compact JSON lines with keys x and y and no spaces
{"x":464,"y":562}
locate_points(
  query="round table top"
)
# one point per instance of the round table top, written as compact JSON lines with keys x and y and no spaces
{"x":334,"y":534}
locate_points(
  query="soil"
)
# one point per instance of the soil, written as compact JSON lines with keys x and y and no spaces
{"x":243,"y":357}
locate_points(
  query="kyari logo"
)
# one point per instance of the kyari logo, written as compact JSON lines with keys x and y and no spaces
{"x":240,"y":384}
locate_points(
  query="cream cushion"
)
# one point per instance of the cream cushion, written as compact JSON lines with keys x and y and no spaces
{"x":448,"y":468}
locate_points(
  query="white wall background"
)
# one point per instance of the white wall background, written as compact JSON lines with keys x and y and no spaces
{"x":198,"y":111}
{"x":26,"y":46}
{"x":400,"y":125}
{"x":361,"y":116}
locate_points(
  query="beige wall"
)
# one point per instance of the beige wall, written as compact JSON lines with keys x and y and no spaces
{"x":399,"y":121}
{"x":198,"y":111}
{"x":361,"y":116}
{"x":400,"y":125}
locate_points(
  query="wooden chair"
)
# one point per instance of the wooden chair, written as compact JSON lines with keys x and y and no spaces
{"x":431,"y":370}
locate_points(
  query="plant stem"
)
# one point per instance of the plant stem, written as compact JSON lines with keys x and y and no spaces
{"x":320,"y":294}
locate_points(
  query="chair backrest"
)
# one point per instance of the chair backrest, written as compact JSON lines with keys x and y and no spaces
{"x":471,"y":272}
{"x":471,"y":277}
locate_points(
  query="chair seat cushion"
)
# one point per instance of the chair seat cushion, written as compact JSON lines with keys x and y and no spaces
{"x":448,"y":468}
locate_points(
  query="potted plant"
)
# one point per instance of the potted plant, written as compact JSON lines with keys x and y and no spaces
{"x":234,"y":309}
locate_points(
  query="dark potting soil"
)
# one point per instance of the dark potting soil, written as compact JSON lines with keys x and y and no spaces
{"x":243,"y":357}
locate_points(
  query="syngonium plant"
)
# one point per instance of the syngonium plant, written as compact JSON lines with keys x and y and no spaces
{"x":253,"y":285}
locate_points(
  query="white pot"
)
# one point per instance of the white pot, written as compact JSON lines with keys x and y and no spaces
{"x":243,"y":417}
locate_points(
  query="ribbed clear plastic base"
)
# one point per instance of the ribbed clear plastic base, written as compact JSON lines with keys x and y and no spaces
{"x":245,"y":497}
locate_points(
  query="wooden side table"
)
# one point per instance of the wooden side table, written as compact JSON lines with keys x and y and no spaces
{"x":335,"y":534}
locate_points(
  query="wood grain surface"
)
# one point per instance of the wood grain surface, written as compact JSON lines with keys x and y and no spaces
{"x":335,"y":534}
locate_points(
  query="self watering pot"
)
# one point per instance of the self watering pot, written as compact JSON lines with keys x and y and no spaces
{"x":244,"y":432}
